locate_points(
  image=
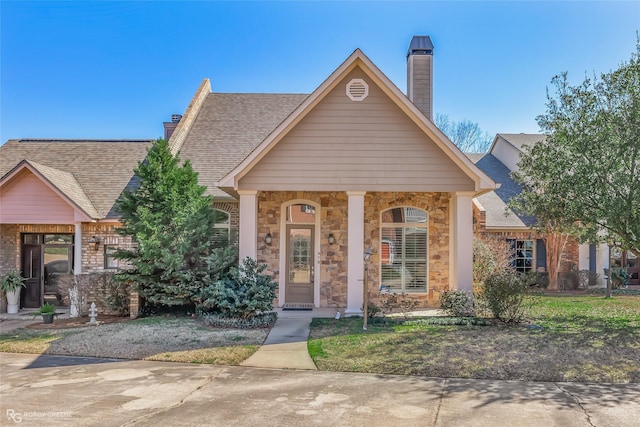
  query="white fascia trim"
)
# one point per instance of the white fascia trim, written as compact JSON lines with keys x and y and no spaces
{"x":79,"y":214}
{"x":232,"y":178}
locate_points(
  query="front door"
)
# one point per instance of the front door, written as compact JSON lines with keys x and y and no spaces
{"x":300,"y":262}
{"x":32,"y":270}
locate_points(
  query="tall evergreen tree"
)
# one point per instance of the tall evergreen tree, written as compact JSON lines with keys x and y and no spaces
{"x":171,"y":223}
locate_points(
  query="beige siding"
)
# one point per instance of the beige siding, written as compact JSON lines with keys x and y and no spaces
{"x":369,"y":145}
{"x":506,"y":153}
{"x":27,"y":200}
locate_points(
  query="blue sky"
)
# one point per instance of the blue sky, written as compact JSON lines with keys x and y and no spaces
{"x":119,"y":69}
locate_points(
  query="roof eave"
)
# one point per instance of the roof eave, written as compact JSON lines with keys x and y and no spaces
{"x":80,"y":214}
{"x":482,"y":182}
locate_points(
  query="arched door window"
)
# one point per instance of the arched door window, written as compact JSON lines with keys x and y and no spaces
{"x":403,"y":250}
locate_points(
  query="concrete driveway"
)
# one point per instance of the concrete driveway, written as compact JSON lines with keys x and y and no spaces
{"x":74,"y":391}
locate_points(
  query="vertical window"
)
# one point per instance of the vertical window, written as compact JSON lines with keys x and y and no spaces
{"x":109,"y":261}
{"x":403,"y":250}
{"x":221,"y":229}
{"x":524,"y":255}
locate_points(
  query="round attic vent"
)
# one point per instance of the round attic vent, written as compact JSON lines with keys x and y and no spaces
{"x":357,"y":90}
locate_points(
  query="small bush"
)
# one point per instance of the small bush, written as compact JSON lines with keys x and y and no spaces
{"x":619,"y":277}
{"x":491,"y":255}
{"x":457,"y":303}
{"x":243,"y":294}
{"x":587,"y":279}
{"x":374,"y":311}
{"x":402,"y":303}
{"x":506,"y":294}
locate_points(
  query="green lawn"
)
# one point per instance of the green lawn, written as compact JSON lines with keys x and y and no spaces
{"x":577,"y":338}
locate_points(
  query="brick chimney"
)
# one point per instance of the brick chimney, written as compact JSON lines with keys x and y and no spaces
{"x":420,"y":74}
{"x":169,"y":127}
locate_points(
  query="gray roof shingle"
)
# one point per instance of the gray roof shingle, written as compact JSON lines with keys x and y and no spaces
{"x":229,"y":126}
{"x":92,"y":173}
{"x":495,"y":202}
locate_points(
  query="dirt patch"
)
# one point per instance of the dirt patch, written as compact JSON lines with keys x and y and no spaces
{"x":78,"y":322}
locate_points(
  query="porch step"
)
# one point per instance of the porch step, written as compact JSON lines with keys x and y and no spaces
{"x":297,"y":306}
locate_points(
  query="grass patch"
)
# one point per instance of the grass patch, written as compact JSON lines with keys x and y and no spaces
{"x":232,"y":355}
{"x":25,"y":341}
{"x":576,"y":338}
{"x":167,"y":338}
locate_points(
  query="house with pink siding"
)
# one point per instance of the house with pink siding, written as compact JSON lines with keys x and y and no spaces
{"x":304,"y":183}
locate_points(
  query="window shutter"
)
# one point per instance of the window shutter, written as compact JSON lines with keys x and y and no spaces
{"x":541,"y":254}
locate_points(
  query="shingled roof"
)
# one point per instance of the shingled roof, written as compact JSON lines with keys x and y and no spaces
{"x":91,"y":173}
{"x":519,"y":140}
{"x":495,"y":202}
{"x":228,"y":127}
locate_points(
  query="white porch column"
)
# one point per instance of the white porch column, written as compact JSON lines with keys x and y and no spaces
{"x":248,"y":237}
{"x":77,"y":250}
{"x":355,"y":252}
{"x":461,"y":241}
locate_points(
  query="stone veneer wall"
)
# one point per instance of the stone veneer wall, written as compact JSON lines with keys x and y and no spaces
{"x":437,"y":207}
{"x":333,"y":258}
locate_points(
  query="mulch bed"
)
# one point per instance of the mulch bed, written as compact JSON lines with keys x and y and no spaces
{"x":78,"y":322}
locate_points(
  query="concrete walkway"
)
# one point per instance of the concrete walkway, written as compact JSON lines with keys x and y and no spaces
{"x":286,"y":344}
{"x":42,"y":390}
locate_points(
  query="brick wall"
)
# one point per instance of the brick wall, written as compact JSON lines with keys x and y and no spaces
{"x":93,"y":260}
{"x":570,"y":258}
{"x":232,"y":208}
{"x":9,"y":255}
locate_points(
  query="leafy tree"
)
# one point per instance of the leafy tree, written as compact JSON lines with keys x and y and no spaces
{"x":171,"y":223}
{"x":466,"y":134}
{"x":584,"y":179}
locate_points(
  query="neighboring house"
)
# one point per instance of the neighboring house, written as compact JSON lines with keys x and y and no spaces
{"x":304,"y":182}
{"x":57,"y":207}
{"x":492,"y":216}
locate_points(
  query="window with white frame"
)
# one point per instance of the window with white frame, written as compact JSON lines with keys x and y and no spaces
{"x":110,"y":262}
{"x":524,"y":257}
{"x":403,"y":250}
{"x":221,"y":229}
